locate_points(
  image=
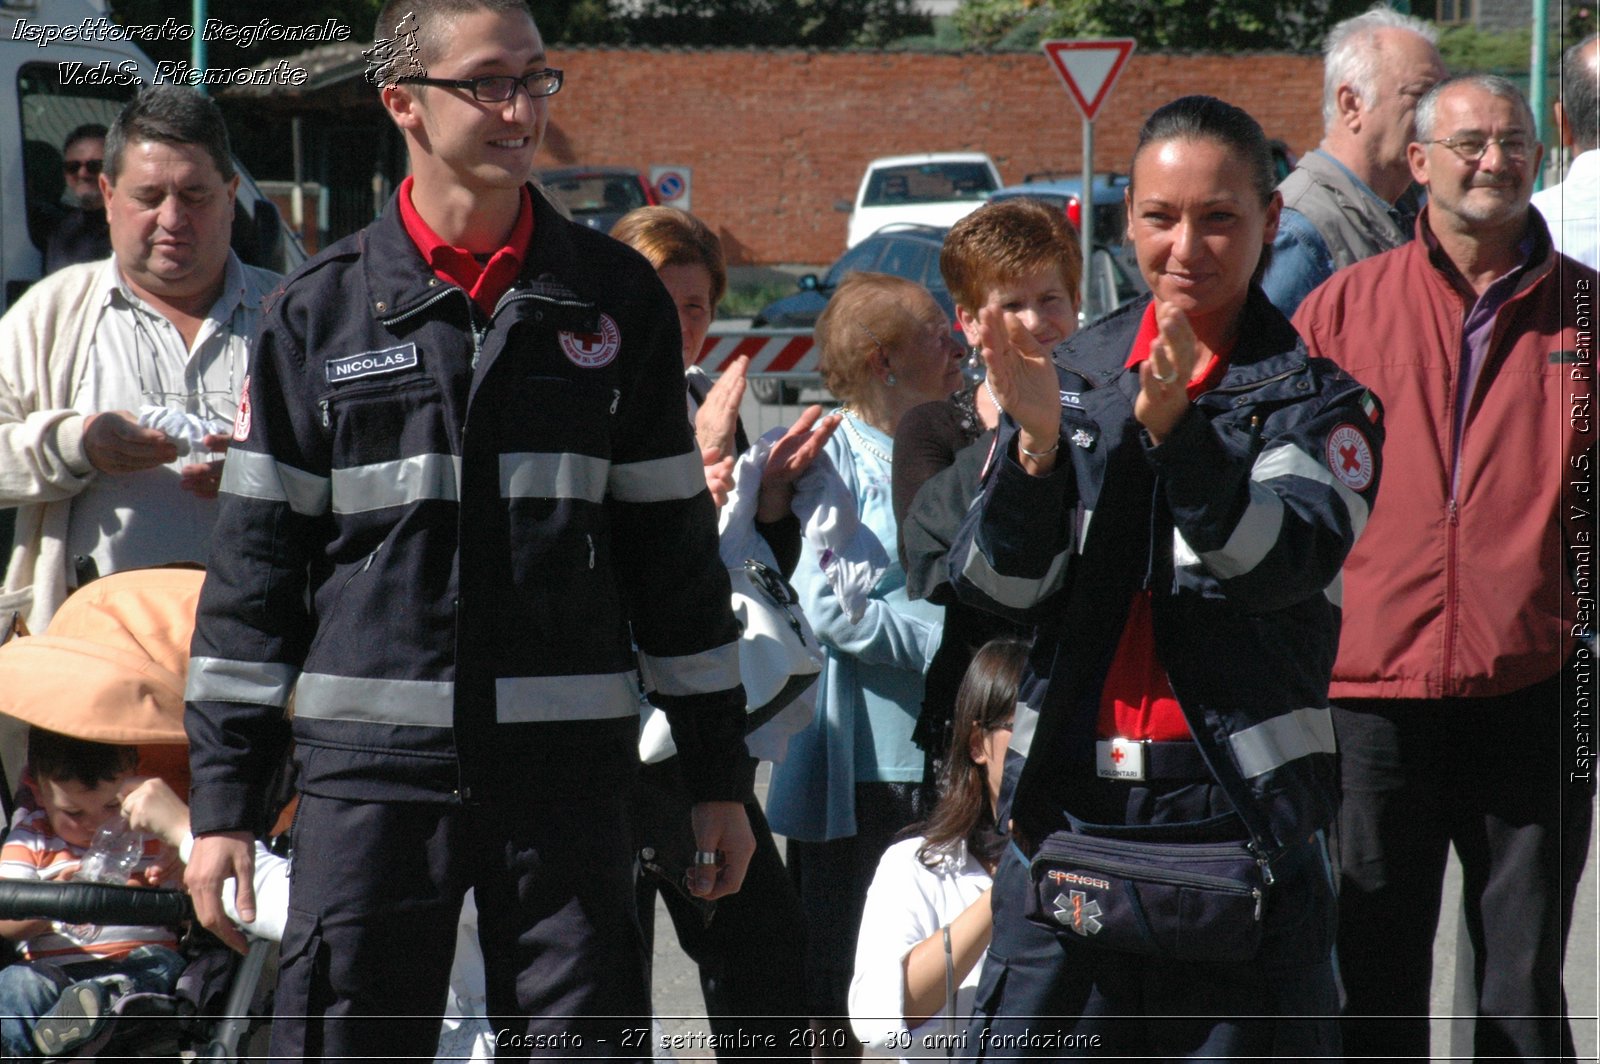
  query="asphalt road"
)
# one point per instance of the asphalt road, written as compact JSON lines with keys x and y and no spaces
{"x":681,"y":1010}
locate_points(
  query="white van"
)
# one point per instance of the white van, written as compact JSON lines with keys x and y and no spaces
{"x":938,"y":189}
{"x":64,"y":63}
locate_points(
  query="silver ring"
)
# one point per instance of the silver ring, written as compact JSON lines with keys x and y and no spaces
{"x":1168,"y":379}
{"x":704,"y":858}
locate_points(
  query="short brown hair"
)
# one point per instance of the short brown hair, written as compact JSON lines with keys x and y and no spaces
{"x":1000,"y":242}
{"x":670,"y":237}
{"x":867,"y":313}
{"x":428,"y":13}
{"x":64,"y":759}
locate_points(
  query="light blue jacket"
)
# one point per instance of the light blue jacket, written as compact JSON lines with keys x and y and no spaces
{"x":870,"y":689}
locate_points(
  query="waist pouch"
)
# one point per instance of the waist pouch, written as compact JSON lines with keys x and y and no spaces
{"x":1184,"y":901}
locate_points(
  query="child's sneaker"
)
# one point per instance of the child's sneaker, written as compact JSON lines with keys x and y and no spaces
{"x":74,"y":1020}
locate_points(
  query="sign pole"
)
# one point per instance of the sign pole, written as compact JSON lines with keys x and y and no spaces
{"x":1088,"y":69}
{"x":1085,"y":286}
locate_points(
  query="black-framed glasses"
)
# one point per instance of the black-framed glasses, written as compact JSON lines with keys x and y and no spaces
{"x":496,"y":88}
{"x":1473,"y":148}
{"x":92,"y":166}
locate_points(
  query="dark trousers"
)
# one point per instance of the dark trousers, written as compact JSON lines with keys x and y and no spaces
{"x":745,"y":945}
{"x":1490,"y":777}
{"x":374,"y":899}
{"x":1051,"y":994}
{"x":833,"y":878}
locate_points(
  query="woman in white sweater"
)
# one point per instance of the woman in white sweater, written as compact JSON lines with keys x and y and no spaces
{"x":927,"y":919}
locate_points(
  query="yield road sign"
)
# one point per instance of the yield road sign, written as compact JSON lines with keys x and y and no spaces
{"x":1089,"y":68}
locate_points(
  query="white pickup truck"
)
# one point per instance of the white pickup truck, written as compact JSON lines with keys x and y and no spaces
{"x":938,"y":188}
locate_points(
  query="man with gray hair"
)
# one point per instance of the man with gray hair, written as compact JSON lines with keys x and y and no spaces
{"x":1339,"y":202}
{"x":1463,"y":650}
{"x":119,"y":378}
{"x":1573,"y":207}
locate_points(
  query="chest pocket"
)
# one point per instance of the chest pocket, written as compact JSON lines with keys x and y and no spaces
{"x":388,"y":420}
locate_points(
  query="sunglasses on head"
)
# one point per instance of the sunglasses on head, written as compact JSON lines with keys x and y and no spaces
{"x":72,"y":166}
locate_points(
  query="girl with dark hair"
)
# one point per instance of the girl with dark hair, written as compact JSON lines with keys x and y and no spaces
{"x":1172,"y":497}
{"x":928,"y":915}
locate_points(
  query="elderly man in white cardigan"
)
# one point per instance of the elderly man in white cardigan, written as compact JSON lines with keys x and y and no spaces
{"x":119,"y":379}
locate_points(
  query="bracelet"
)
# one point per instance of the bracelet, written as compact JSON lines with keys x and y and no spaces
{"x":1047,"y":452}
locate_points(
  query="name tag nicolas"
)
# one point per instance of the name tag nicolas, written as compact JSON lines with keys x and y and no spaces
{"x":372,"y":363}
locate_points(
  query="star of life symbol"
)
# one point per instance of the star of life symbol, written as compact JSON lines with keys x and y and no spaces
{"x":1074,"y":910}
{"x":395,"y":57}
{"x":1350,"y":457}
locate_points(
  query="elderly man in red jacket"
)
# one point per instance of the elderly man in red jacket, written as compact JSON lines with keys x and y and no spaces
{"x":1467,"y":601}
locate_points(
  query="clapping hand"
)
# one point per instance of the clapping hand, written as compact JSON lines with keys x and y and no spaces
{"x":717,"y":420}
{"x":1164,"y":376}
{"x":1024,"y":380}
{"x":791,"y":456}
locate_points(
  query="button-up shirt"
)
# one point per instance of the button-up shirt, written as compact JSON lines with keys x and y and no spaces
{"x":139,"y":360}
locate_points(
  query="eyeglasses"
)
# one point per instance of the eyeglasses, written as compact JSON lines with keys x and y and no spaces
{"x":1472,"y":148}
{"x":497,"y":88}
{"x":90,"y":166}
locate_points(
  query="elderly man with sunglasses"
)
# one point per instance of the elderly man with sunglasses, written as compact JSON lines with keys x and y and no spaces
{"x":1468,"y":605}
{"x":118,"y":377}
{"x":82,"y":234}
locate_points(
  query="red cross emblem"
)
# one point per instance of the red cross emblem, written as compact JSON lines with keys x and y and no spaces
{"x":1117,"y":755}
{"x":1349,"y":455}
{"x":593,"y":350}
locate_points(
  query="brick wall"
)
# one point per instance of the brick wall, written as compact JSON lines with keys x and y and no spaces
{"x":776,"y":138}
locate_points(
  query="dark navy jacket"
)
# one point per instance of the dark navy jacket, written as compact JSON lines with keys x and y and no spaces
{"x":1239,"y":522}
{"x":446,"y":533}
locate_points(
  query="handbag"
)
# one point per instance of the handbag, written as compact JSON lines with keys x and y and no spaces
{"x":1183,"y":901}
{"x":779,"y":656}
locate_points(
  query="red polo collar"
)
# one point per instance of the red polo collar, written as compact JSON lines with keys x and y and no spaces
{"x":484,"y":282}
{"x":1148,"y":331}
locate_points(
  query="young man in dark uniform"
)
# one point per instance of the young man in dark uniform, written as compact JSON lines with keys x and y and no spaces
{"x":463,"y":517}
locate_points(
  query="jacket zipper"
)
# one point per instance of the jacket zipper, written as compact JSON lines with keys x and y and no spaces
{"x":425,"y":304}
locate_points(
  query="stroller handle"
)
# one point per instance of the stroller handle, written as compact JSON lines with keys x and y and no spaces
{"x":92,"y":903}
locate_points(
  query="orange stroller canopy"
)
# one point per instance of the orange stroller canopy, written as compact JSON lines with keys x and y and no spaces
{"x":111,"y":665}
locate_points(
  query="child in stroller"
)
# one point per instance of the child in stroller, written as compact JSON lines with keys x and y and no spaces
{"x":58,"y":1000}
{"x":108,"y":675}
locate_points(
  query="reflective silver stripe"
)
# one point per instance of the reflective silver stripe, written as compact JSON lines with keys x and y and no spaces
{"x":1084,"y":517}
{"x":1290,"y":461}
{"x":1183,"y":555}
{"x":1335,"y":590}
{"x":1253,"y":537}
{"x":660,"y":480}
{"x":266,"y":683}
{"x":252,"y":475}
{"x":1276,"y":742}
{"x":358,"y":489}
{"x":1023,"y":725}
{"x":554,"y":476}
{"x":542,"y":699}
{"x":1018,"y":592}
{"x":691,"y":674}
{"x":424,"y":703}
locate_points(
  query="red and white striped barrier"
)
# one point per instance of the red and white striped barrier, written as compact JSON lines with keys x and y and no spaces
{"x":771,"y":351}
